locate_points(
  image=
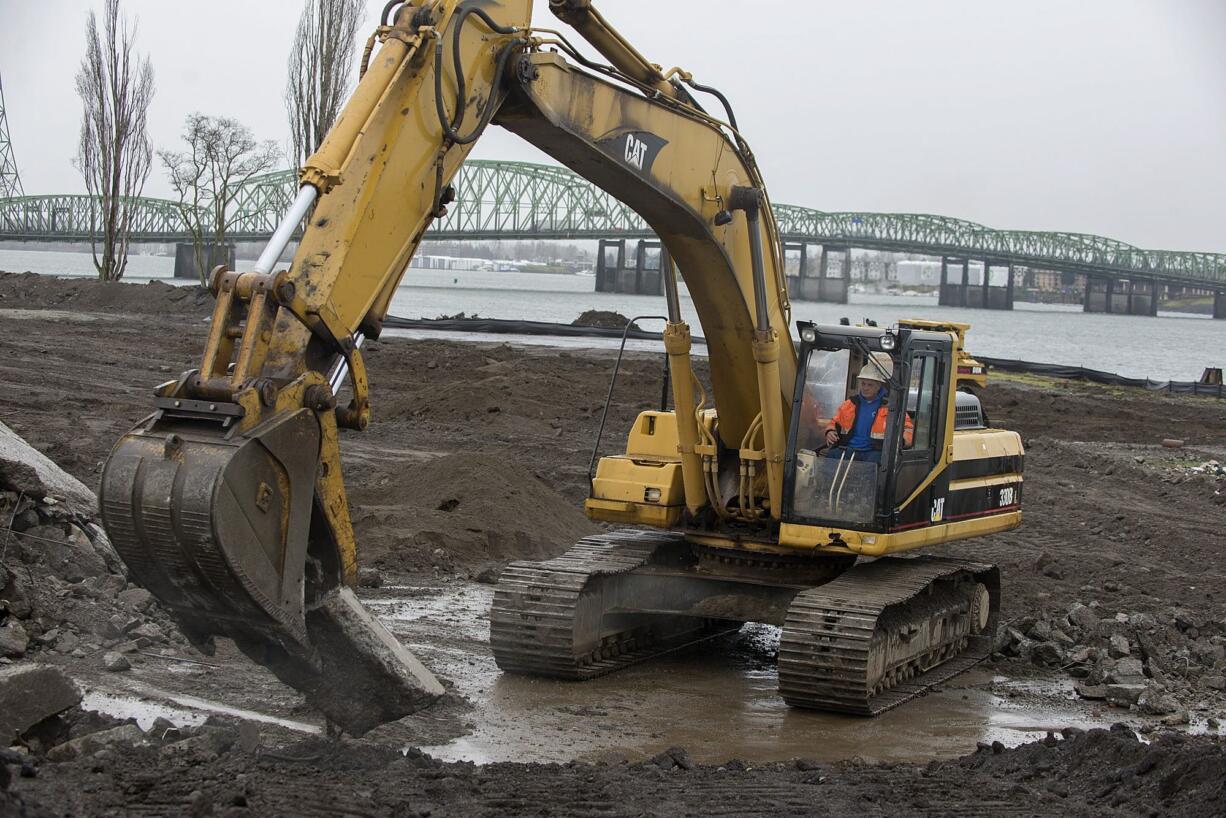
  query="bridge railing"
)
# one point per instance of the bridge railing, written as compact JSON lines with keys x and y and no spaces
{"x":519,"y":200}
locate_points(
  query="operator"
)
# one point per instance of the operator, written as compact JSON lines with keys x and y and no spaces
{"x":859,"y":426}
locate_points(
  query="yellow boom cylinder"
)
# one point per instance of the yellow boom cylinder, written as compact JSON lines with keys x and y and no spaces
{"x":677,"y":344}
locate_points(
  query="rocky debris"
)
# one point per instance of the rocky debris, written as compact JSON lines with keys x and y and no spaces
{"x":674,"y":757}
{"x":28,"y":471}
{"x":115,"y":662}
{"x":1091,"y":692}
{"x":126,"y":734}
{"x":62,"y":587}
{"x":369,"y":578}
{"x":138,"y":599}
{"x":1118,"y":646}
{"x":487,"y":574}
{"x":1156,"y":664}
{"x":72,"y":733}
{"x":30,"y":693}
{"x":13,"y":640}
{"x":1083,"y":618}
{"x":1124,"y":695}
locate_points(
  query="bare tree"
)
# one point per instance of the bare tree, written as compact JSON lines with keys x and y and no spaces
{"x":114,"y":152}
{"x":320,"y":65}
{"x":222,"y":155}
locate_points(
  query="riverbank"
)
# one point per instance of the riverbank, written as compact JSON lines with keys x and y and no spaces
{"x":477,"y":455}
{"x":1163,"y":348}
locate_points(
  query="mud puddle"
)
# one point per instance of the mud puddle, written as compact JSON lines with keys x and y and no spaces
{"x":718,"y":699}
{"x":146,"y":704}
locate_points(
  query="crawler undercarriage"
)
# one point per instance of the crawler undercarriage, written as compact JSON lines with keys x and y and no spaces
{"x":856,"y":638}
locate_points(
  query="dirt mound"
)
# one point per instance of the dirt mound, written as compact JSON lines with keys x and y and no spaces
{"x":1172,"y":774}
{"x":33,"y":291}
{"x":603,"y":319}
{"x":460,"y":513}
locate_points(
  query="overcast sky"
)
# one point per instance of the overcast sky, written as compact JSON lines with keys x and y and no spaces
{"x":1096,"y":116}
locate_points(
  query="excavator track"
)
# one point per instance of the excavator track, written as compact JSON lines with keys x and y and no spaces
{"x":561,"y":618}
{"x":885,"y":632}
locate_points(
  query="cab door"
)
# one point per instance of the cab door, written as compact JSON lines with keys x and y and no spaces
{"x":926,"y":372}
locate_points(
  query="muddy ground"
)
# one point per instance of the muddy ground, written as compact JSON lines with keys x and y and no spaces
{"x":478,"y":454}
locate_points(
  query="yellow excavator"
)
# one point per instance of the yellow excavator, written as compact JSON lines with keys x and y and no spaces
{"x":228,"y":503}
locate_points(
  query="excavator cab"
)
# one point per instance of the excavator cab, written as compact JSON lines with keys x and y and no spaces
{"x":835,"y":487}
{"x":940,"y":472}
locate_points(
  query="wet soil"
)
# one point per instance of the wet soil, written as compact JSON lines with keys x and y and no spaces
{"x":478,"y":454}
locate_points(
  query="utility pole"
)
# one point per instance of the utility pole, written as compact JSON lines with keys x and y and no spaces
{"x":10,"y":182}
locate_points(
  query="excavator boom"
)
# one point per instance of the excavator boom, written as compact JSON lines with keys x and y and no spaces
{"x":228,"y":501}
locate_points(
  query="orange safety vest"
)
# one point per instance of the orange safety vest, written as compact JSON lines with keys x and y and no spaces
{"x":844,"y":421}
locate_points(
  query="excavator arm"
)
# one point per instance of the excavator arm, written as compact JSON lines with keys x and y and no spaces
{"x":228,"y":503}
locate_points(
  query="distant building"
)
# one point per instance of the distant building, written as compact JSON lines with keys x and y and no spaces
{"x":918,"y":273}
{"x":422,"y":261}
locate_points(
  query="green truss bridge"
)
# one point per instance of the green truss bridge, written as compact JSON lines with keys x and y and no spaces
{"x":517,"y":200}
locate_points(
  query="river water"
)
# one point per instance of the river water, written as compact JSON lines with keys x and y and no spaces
{"x":1171,"y":346}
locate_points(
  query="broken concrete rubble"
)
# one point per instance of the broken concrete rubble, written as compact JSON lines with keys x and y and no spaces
{"x":365,"y":677}
{"x":115,"y":662}
{"x":13,"y":640}
{"x":26,"y":470}
{"x":126,"y":734}
{"x":1118,"y":646}
{"x":30,"y":693}
{"x":1157,"y":664}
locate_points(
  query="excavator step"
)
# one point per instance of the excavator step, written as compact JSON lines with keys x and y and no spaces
{"x":886,"y":631}
{"x":563,"y":618}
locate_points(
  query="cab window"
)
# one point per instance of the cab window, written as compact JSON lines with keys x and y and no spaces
{"x":921,"y":400}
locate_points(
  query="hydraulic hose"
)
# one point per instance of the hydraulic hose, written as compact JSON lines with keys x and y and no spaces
{"x":451,"y":125}
{"x":715,"y":92}
{"x":387,"y":10}
{"x":450,"y":129}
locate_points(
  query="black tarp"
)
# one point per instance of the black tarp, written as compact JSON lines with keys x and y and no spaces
{"x":1098,"y":376}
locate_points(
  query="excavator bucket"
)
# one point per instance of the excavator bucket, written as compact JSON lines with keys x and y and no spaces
{"x":219,"y":528}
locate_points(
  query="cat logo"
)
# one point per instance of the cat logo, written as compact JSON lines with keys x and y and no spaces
{"x":938,"y":509}
{"x":636,"y":151}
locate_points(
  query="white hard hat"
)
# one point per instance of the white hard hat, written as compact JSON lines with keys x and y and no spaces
{"x":871,"y":373}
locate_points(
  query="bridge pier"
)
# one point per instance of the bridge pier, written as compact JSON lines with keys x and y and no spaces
{"x":951,"y":294}
{"x":1219,"y":304}
{"x":185,"y":260}
{"x":647,"y":278}
{"x":1143,"y":297}
{"x":803,"y":286}
{"x":833,"y":290}
{"x":610,"y":261}
{"x":614,"y":275}
{"x":998,"y":297}
{"x":1121,"y":296}
{"x":982,"y":295}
